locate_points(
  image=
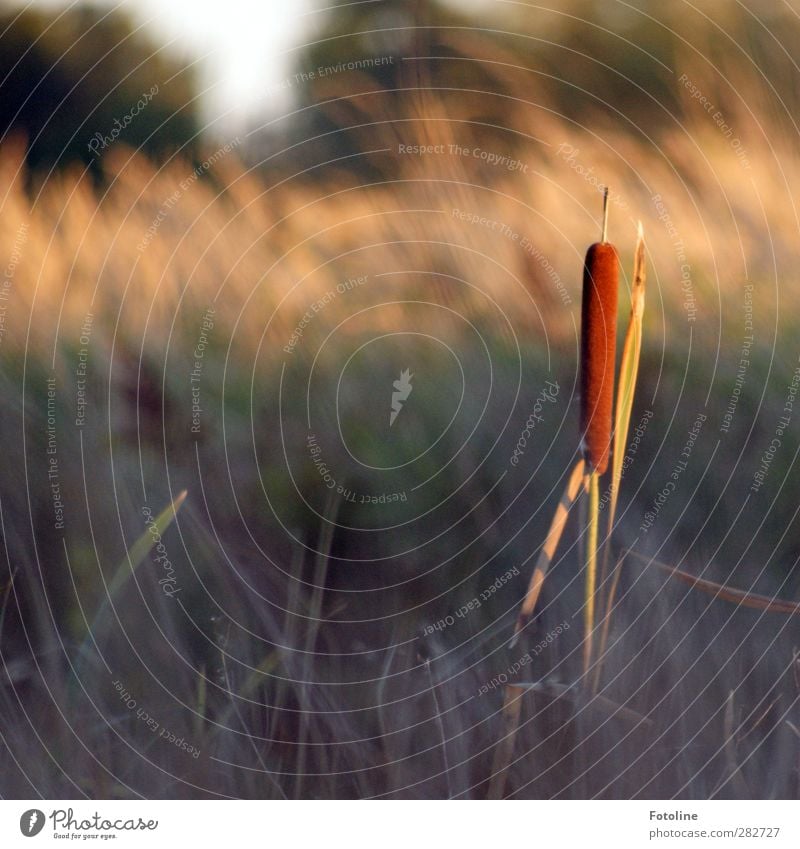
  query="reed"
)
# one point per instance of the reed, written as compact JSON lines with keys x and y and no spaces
{"x":597,"y":366}
{"x":598,"y":349}
{"x":628,"y":373}
{"x":549,"y":548}
{"x":598,"y":352}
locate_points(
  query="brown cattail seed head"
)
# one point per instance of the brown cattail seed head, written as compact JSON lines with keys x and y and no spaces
{"x":598,"y":347}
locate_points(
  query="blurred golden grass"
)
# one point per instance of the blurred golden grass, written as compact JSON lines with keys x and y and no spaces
{"x":251,"y":239}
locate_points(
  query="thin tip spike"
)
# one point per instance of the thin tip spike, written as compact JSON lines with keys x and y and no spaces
{"x":640,"y":230}
{"x":605,"y":214}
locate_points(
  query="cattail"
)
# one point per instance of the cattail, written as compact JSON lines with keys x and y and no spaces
{"x":598,"y":347}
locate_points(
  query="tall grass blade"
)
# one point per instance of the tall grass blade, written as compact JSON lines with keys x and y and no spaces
{"x":141,"y":548}
{"x":512,"y":706}
{"x":628,"y":373}
{"x":128,"y":565}
{"x":549,"y":548}
{"x":724,"y":592}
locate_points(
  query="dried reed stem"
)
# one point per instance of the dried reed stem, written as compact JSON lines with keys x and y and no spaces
{"x":723,"y":592}
{"x":628,"y":373}
{"x":548,"y":551}
{"x":512,"y":705}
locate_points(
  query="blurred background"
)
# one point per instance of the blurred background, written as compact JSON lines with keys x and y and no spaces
{"x":227,"y":232}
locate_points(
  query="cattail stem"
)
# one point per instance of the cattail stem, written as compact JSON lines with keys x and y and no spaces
{"x":591,"y":568}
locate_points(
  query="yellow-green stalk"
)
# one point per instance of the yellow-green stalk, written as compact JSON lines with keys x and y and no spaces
{"x":629,"y":370}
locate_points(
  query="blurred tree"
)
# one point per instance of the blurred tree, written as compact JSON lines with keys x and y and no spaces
{"x":84,"y":74}
{"x":382,"y":60}
{"x":587,"y":60}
